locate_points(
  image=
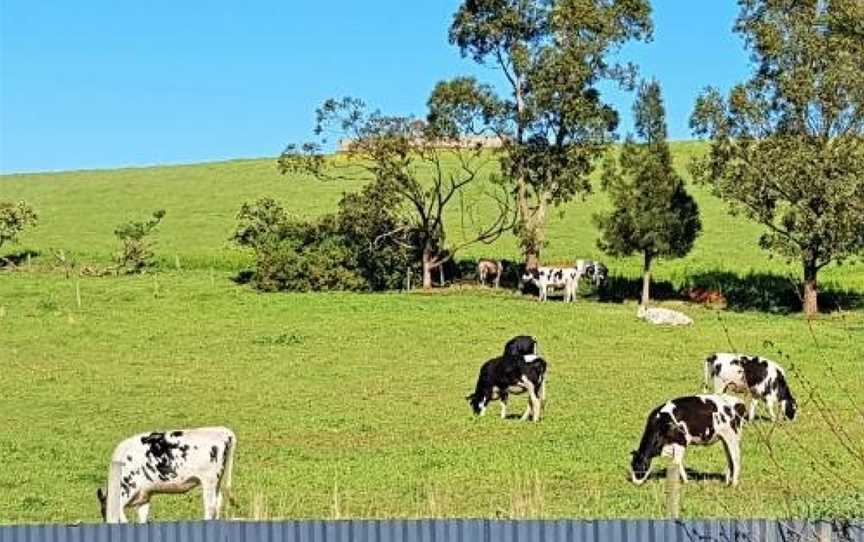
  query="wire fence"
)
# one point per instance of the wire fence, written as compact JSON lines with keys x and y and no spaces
{"x":435,"y":530}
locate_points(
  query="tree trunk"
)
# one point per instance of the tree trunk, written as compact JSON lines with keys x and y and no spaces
{"x":811,"y":302}
{"x":427,"y":269}
{"x":646,"y":280}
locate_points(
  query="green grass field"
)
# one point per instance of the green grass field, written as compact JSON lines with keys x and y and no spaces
{"x":351,"y":405}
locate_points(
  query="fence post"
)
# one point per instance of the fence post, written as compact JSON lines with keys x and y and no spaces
{"x":673,"y":491}
{"x":114,"y":506}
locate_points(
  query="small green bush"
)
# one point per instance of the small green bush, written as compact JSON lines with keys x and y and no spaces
{"x":136,"y":248}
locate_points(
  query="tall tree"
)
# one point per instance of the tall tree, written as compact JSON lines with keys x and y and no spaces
{"x":553,"y":124}
{"x":652,"y":212}
{"x":425,"y":165}
{"x":787,"y":146}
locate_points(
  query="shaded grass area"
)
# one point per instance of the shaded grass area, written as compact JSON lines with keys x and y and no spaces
{"x":352,"y":405}
{"x":80,"y":210}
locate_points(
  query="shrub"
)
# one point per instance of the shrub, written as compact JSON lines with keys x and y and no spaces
{"x":14,"y":217}
{"x":358,"y":248}
{"x":136,"y":248}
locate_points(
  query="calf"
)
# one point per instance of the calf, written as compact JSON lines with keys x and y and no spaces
{"x":170,"y":462}
{"x":760,"y":378}
{"x":594,"y":271}
{"x":521,"y":345}
{"x":486,"y":268}
{"x":554,"y":277}
{"x":499,"y":377}
{"x":699,"y":419}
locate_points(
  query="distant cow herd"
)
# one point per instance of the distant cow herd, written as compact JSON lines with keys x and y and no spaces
{"x":548,"y":279}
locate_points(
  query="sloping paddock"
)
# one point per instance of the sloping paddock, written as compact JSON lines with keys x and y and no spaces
{"x":467,"y":530}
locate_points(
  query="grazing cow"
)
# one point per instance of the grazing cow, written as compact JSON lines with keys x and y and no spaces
{"x":486,"y":268}
{"x":594,"y":271}
{"x":499,"y":377}
{"x":699,"y":419}
{"x":663,"y":317}
{"x":760,"y":378}
{"x":521,"y":345}
{"x":170,"y":462}
{"x":553,"y":277}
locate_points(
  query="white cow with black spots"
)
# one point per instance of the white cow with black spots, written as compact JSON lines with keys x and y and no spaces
{"x":566,"y":278}
{"x":760,"y":378}
{"x":697,"y":419}
{"x":169,"y":462}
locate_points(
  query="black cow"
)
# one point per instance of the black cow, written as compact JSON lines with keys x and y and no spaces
{"x":521,"y":345}
{"x":501,"y":376}
{"x":699,"y":419}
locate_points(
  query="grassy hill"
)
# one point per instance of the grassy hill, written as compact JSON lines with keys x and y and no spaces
{"x":79,"y":211}
{"x":352,"y":405}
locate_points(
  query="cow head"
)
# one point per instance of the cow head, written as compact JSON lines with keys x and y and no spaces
{"x":790,"y":408}
{"x":787,"y":402}
{"x":601,"y":274}
{"x":659,"y":431}
{"x":478,"y":403}
{"x":102,"y":495}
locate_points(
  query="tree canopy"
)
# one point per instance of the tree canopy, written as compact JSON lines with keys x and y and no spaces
{"x":554,"y":122}
{"x":787,"y":145}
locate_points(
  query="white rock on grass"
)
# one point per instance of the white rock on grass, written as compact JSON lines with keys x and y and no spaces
{"x":663,"y":317}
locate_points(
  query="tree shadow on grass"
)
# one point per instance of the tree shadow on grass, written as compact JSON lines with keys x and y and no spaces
{"x":12,"y":261}
{"x":765,"y":292}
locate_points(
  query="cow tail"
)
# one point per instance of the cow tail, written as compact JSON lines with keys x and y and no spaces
{"x":709,"y":368}
{"x":225,"y":484}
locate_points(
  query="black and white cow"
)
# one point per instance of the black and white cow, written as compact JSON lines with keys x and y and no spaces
{"x":760,"y":378}
{"x":170,"y":462}
{"x":521,"y":345}
{"x":594,"y":271}
{"x":499,"y":377}
{"x":698,"y":419}
{"x":553,"y":277}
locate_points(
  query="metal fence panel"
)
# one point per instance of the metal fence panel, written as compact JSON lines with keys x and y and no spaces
{"x":445,"y":530}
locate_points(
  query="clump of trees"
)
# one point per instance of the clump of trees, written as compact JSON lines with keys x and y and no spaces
{"x":652,"y":214}
{"x":554,"y":123}
{"x":362,"y":246}
{"x":417,"y":171}
{"x":787,"y":146}
{"x":14,"y":219}
{"x":136,"y":245}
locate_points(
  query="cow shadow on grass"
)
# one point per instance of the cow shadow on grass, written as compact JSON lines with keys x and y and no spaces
{"x":765,"y":292}
{"x":692,"y":475}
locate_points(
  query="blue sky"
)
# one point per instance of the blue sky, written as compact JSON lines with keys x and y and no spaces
{"x":101,"y":83}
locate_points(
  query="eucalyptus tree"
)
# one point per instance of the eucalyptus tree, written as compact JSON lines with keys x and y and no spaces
{"x":553,"y":122}
{"x":787,"y":145}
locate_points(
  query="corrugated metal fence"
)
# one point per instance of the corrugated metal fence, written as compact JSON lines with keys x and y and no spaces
{"x":445,"y":531}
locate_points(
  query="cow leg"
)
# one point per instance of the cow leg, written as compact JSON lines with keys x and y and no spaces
{"x":770,"y":402}
{"x":208,"y":494}
{"x":733,"y":457}
{"x":751,"y":414}
{"x":143,"y":512}
{"x":503,"y":405}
